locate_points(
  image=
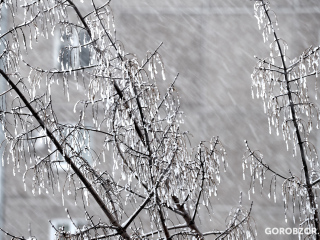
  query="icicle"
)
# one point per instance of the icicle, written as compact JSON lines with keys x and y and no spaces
{"x":163,"y":74}
{"x":62,"y":198}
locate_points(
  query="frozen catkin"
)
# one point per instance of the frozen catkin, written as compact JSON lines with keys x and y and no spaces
{"x":285,"y":86}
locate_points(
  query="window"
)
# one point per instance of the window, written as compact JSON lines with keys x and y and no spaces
{"x":69,"y":55}
{"x":84,"y":54}
{"x":66,"y":52}
{"x":66,"y":225}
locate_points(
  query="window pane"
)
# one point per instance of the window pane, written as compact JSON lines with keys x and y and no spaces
{"x":84,"y":54}
{"x":65,"y":54}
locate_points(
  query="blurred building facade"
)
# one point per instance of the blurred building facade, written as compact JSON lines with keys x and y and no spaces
{"x":212,"y":45}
